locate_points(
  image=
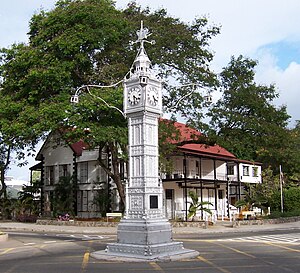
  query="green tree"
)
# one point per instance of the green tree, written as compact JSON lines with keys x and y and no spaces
{"x":27,"y":200}
{"x":5,"y":157}
{"x":63,"y":196}
{"x":244,"y":119}
{"x":254,"y":197}
{"x":88,"y":42}
{"x":270,"y":183}
{"x":291,"y":200}
{"x":291,"y":164}
{"x":101,"y":199}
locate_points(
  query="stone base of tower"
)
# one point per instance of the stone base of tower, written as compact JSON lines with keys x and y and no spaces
{"x":145,"y":240}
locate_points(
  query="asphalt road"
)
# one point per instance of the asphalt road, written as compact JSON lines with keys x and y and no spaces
{"x":275,"y":252}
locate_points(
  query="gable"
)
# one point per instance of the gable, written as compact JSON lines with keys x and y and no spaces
{"x":55,"y":150}
{"x":55,"y":141}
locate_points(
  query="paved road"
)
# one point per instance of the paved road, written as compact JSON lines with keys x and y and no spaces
{"x":274,"y":252}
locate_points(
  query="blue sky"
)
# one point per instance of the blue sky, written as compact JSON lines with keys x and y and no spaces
{"x":284,"y":52}
{"x":267,"y":31}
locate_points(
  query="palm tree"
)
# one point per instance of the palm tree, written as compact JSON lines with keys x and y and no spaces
{"x":252,"y":200}
{"x":27,"y":199}
{"x":195,"y":205}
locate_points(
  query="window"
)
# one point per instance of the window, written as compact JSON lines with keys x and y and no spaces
{"x":82,"y":200}
{"x":246,"y":171}
{"x":220,"y":194}
{"x":64,"y":170}
{"x":211,"y":196}
{"x":233,"y":190}
{"x":83,"y":172}
{"x":230,"y":169}
{"x":169,"y":193}
{"x":85,"y":201}
{"x":255,"y":171}
{"x":197,"y":168}
{"x":50,"y":175}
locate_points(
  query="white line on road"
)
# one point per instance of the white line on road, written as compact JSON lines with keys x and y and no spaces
{"x":29,"y":244}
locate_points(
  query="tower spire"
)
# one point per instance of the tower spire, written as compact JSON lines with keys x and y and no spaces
{"x":142,"y":62}
{"x":143,"y":34}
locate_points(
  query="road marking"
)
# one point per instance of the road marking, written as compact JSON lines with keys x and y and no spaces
{"x":92,"y":237}
{"x":281,"y":246}
{"x":156,"y":267}
{"x":29,"y":244}
{"x":213,"y":265}
{"x":87,"y":237}
{"x":235,"y":250}
{"x":282,"y":238}
{"x":214,"y":242}
{"x":85,"y":261}
{"x":49,"y":242}
{"x":6,"y":251}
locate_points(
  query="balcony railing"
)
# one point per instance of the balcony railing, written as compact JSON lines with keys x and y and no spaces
{"x":179,"y":174}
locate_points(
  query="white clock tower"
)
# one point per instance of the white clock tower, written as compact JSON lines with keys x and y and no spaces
{"x":144,"y":232}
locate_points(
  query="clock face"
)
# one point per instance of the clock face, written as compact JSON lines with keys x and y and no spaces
{"x":153,"y":96}
{"x":134,"y":95}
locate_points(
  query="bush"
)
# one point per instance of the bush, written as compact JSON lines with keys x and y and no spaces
{"x":25,"y":218}
{"x":278,"y":214}
{"x":63,"y":198}
{"x":291,"y":200}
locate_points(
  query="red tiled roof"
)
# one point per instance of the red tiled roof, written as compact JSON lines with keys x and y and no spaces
{"x":190,"y":134}
{"x":77,"y":147}
{"x":215,"y":150}
{"x":186,"y":133}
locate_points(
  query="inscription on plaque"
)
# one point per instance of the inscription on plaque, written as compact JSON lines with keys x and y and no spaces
{"x":153,"y":202}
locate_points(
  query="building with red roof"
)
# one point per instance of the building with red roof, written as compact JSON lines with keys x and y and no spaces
{"x":209,"y":170}
{"x":215,"y":174}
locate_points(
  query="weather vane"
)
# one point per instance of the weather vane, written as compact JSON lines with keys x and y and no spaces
{"x":143,"y":34}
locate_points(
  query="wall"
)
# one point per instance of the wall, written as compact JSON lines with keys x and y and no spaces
{"x":251,"y":177}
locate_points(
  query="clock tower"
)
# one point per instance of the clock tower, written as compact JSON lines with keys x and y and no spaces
{"x":144,"y":232}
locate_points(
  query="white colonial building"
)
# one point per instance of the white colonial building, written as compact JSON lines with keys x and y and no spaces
{"x":214,"y":173}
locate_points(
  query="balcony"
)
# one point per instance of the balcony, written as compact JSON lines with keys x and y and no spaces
{"x":192,"y":175}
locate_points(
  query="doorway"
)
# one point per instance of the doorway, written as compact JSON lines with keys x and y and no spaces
{"x":170,"y":204}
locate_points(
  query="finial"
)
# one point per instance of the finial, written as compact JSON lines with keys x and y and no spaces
{"x":143,"y":34}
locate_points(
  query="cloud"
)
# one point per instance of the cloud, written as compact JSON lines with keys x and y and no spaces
{"x":15,"y":16}
{"x":286,"y":80}
{"x":262,"y":30}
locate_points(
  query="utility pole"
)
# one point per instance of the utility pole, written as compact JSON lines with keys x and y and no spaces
{"x":281,"y":187}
